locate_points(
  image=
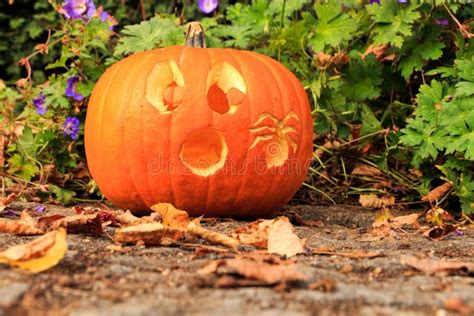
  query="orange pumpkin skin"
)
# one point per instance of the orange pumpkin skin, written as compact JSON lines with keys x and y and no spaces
{"x":219,"y":132}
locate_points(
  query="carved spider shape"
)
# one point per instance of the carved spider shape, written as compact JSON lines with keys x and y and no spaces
{"x":279,"y":137}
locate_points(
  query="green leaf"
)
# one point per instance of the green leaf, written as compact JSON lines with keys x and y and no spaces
{"x":362,"y":79}
{"x":393,"y":21}
{"x":154,"y":33}
{"x":333,"y":27}
{"x":418,"y":50}
{"x":370,"y":123}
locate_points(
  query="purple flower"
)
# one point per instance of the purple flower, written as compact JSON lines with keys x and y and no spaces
{"x":444,"y":22}
{"x":374,"y":1}
{"x":207,"y":6}
{"x":106,"y":17}
{"x":38,"y":102}
{"x":402,"y":1}
{"x":71,"y":127}
{"x":8,"y":212}
{"x":76,"y":9}
{"x":71,"y":89}
{"x":40,"y":208}
{"x":459,"y":232}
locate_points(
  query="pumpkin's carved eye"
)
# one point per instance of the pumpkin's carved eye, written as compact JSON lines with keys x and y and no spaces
{"x":164,"y":87}
{"x":278,"y":137}
{"x":225,"y":88}
{"x":204,"y":151}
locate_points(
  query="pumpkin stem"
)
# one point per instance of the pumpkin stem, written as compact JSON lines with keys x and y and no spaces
{"x":195,"y":36}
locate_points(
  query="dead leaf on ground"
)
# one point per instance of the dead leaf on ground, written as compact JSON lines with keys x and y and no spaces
{"x":438,"y":216}
{"x":26,"y":225}
{"x":81,"y":223}
{"x":324,"y":284}
{"x":437,"y":193}
{"x":373,"y":201}
{"x":282,"y":239}
{"x":276,"y":235}
{"x":5,"y":201}
{"x":263,"y":272}
{"x":194,"y":227}
{"x":439,"y":232}
{"x":432,"y":266}
{"x":148,"y":233}
{"x":391,"y":226}
{"x":255,"y":233}
{"x":40,"y":254}
{"x":171,"y":216}
{"x":126,"y":218}
{"x":458,"y":305}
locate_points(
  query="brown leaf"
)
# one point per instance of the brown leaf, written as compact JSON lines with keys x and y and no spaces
{"x":438,"y":216}
{"x":457,"y":305}
{"x":437,"y":193}
{"x":390,"y":226}
{"x":194,"y":227}
{"x":255,"y":233}
{"x":431,"y":266}
{"x":148,"y":233}
{"x":379,"y":51}
{"x":373,"y":201}
{"x":80,"y":223}
{"x":367,"y":170}
{"x":5,"y":201}
{"x":126,"y":218}
{"x":38,"y":255}
{"x":276,"y":235}
{"x":26,"y":225}
{"x":439,"y":232}
{"x":324,"y":284}
{"x":266,"y":273}
{"x":282,"y":240}
{"x":171,"y":216}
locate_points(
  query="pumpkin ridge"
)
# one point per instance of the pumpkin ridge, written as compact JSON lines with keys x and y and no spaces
{"x":126,"y":108}
{"x":270,"y":71}
{"x":232,"y":52}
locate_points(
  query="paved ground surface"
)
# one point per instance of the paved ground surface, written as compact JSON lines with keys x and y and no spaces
{"x":94,"y":280}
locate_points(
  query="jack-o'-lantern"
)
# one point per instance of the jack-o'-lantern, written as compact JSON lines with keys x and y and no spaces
{"x":219,"y":132}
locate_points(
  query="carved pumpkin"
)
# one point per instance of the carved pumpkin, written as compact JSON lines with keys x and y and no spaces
{"x":219,"y":132}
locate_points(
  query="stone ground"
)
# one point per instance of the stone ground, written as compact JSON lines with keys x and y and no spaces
{"x":94,"y":280}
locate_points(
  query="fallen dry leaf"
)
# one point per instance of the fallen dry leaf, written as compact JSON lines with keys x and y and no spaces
{"x":367,"y":170}
{"x":438,"y":216}
{"x":276,"y":235}
{"x":148,"y":233}
{"x":255,"y":233}
{"x":324,"y":284}
{"x":432,"y":266}
{"x":171,"y":216}
{"x":126,"y":218}
{"x":439,"y":232}
{"x":373,"y":201}
{"x":40,"y":254}
{"x":390,"y":226}
{"x":282,"y":240}
{"x":194,"y":227}
{"x":265,"y":273}
{"x":26,"y":225}
{"x":5,"y":201}
{"x":437,"y":193}
{"x":457,"y":305}
{"x":80,"y":223}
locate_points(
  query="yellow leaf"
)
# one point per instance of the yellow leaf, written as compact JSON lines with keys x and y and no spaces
{"x":171,"y":216}
{"x":40,"y":254}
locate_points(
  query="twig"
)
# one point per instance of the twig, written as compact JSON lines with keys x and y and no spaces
{"x":142,"y":10}
{"x":465,"y":33}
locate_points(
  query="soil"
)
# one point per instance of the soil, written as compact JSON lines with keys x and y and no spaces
{"x":92,"y":279}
